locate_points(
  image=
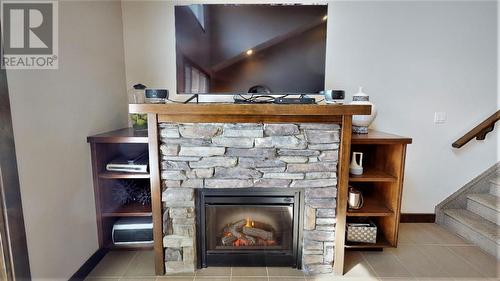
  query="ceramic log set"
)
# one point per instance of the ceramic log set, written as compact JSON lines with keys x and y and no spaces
{"x":360,"y":123}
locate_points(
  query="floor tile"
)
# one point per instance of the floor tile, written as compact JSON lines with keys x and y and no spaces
{"x":475,"y":279}
{"x":436,"y":279}
{"x":356,"y":266}
{"x":453,"y":265}
{"x":239,"y":278}
{"x":114,"y":264}
{"x":102,"y":279}
{"x":138,"y":278}
{"x":249,"y":271}
{"x":284,"y":272}
{"x":333,"y":277}
{"x":212,"y":278}
{"x":285,"y":278}
{"x":214,"y":271}
{"x":142,"y":264}
{"x":426,"y":252}
{"x":181,"y":274}
{"x":175,"y":278}
{"x":484,"y":263}
{"x":416,"y":233}
{"x":386,"y":264}
{"x":398,"y":279}
{"x":416,"y":262}
{"x":442,"y":235}
{"x":405,"y":234}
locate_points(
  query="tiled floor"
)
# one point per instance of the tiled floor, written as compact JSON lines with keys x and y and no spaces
{"x":425,"y":252}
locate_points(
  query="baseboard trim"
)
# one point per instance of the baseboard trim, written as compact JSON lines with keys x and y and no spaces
{"x":417,"y":218}
{"x":89,"y":265}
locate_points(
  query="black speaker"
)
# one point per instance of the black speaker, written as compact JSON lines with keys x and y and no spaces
{"x":156,"y":93}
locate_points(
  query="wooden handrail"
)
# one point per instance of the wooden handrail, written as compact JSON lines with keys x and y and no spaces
{"x":479,"y":132}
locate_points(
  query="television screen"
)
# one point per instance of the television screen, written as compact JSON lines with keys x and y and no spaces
{"x":236,"y":49}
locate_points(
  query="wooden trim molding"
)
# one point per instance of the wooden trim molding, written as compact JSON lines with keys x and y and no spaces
{"x":417,"y":218}
{"x":89,"y":265}
{"x":344,"y":154}
{"x":155,"y":182}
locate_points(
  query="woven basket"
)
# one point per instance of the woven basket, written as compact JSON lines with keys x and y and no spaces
{"x":365,"y":234}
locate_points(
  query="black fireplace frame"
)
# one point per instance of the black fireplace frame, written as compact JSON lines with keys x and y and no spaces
{"x":288,"y":196}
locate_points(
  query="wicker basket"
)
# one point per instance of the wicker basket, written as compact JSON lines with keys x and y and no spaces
{"x":365,"y":232}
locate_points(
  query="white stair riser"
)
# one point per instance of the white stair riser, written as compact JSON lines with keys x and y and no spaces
{"x":483,"y":211}
{"x":469,"y":234}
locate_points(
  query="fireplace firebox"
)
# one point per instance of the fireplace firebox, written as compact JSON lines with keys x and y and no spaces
{"x":249,"y":227}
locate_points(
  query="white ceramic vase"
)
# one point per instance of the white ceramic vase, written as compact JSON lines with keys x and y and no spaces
{"x":360,"y":123}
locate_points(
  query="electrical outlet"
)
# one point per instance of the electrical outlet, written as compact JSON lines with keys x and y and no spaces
{"x":439,"y":117}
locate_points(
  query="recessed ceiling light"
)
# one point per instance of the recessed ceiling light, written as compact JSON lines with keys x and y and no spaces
{"x":249,"y":52}
{"x":325,"y":17}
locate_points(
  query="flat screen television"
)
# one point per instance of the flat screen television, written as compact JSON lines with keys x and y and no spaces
{"x":237,"y":49}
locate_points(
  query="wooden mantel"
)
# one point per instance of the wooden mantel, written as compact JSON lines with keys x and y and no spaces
{"x":228,"y":112}
{"x":233,"y":113}
{"x":250,"y":109}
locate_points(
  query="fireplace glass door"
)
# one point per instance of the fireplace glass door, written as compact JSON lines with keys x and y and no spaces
{"x":239,"y":227}
{"x":249,"y":227}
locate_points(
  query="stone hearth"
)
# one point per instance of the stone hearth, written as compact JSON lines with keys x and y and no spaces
{"x":248,"y":155}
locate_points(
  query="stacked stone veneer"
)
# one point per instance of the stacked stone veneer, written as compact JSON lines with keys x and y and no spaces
{"x":249,"y":155}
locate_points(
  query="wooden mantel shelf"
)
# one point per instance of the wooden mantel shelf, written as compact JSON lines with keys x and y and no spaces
{"x":232,"y":113}
{"x":250,"y":109}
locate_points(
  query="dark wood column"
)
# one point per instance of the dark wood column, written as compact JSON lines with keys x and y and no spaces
{"x":12,"y":233}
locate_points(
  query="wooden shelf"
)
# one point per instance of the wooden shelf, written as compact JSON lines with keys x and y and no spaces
{"x":129,"y":210}
{"x":381,"y":243}
{"x":126,"y":135}
{"x":371,"y":208}
{"x":376,"y":137}
{"x":119,"y":175}
{"x":373,"y":175}
{"x":145,"y":246}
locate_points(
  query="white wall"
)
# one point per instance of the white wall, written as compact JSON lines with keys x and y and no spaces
{"x":53,"y":113}
{"x":413,"y":58}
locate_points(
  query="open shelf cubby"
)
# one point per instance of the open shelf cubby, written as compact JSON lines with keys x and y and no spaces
{"x":104,"y":148}
{"x":381,"y":185}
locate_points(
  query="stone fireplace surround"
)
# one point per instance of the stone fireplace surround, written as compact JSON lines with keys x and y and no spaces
{"x":245,"y":155}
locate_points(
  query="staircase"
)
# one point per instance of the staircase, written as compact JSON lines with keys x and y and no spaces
{"x":473,"y":212}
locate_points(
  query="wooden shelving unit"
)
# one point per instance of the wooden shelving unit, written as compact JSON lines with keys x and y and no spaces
{"x":105,"y":147}
{"x":372,"y":208}
{"x":129,"y":210}
{"x":118,"y":175}
{"x":381,"y":243}
{"x":381,"y":185}
{"x":145,"y":246}
{"x":373,"y":175}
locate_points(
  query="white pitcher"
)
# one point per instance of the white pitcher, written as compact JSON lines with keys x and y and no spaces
{"x":356,"y":168}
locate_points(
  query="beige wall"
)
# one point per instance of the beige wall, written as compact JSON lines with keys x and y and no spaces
{"x":413,"y":59}
{"x":53,"y":113}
